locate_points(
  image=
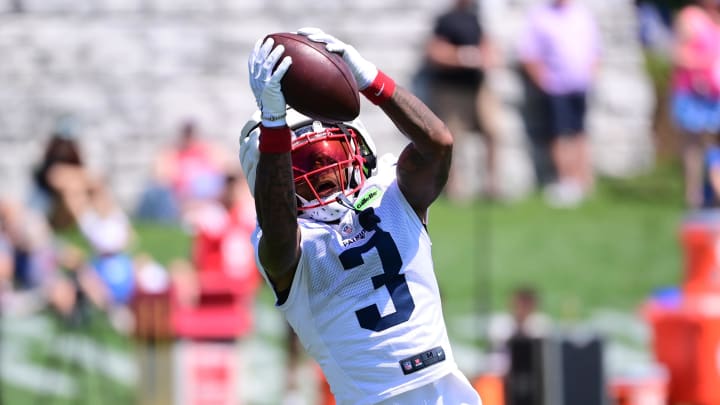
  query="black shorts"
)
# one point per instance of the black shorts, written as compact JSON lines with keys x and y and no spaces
{"x":567,"y":113}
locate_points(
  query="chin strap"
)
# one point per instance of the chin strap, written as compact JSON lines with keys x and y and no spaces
{"x":342,"y":200}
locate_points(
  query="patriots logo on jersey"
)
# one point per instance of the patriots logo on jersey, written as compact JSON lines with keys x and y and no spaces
{"x":359,"y":236}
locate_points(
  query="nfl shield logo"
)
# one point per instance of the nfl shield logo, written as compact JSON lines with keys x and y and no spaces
{"x":346,"y":229}
{"x":407,"y":365}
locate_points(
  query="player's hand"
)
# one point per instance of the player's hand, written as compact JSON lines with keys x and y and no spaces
{"x":363,"y":70}
{"x":265,"y":83}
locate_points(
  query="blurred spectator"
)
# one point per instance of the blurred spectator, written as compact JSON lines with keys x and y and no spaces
{"x":75,"y":291}
{"x":6,"y":260}
{"x":656,"y":37}
{"x":696,"y":87}
{"x":44,"y":270}
{"x":560,"y":52}
{"x":457,"y":56}
{"x":220,"y":280}
{"x":223,"y":228}
{"x":158,"y":202}
{"x":108,"y":231}
{"x":221,"y":248}
{"x":525,"y":320}
{"x":711,"y":175}
{"x":26,"y":247}
{"x":61,"y":151}
{"x":188,"y":172}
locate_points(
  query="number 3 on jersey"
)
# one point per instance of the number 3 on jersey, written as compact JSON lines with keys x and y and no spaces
{"x":369,"y":317}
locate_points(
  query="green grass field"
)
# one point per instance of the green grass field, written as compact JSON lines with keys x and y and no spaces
{"x":609,"y":253}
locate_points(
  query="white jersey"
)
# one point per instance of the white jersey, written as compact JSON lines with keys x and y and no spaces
{"x":366,"y":304}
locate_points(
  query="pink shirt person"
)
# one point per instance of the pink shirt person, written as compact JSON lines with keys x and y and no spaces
{"x":562,"y":39}
{"x":696,"y":53}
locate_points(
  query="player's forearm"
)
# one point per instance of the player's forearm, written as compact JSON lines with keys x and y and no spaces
{"x":412,"y":117}
{"x":424,"y":164}
{"x":277,"y":212}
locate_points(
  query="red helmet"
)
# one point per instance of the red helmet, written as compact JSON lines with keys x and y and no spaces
{"x":328,"y":160}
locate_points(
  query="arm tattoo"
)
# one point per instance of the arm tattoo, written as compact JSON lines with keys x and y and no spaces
{"x":424,"y":164}
{"x":275,"y":198}
{"x":416,"y":122}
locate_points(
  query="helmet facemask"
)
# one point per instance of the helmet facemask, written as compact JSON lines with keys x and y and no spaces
{"x":327,"y":162}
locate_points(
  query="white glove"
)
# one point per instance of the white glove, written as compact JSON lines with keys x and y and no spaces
{"x":363,"y":70}
{"x":265,"y":83}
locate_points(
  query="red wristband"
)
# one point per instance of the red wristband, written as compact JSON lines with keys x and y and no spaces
{"x":380,"y":90}
{"x":275,"y":139}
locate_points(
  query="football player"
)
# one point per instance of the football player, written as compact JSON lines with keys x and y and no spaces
{"x":342,"y":236}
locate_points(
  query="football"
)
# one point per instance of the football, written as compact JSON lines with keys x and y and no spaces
{"x":319,"y":83}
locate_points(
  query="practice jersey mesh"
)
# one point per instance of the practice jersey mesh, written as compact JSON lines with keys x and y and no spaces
{"x":332,"y":300}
